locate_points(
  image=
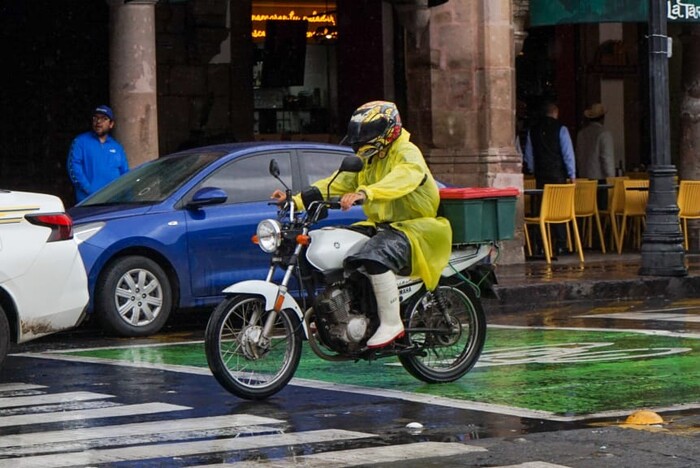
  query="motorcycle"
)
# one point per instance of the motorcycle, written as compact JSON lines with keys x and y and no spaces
{"x":254,"y":337}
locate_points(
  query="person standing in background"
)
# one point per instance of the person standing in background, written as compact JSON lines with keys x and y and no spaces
{"x":595,"y":150}
{"x":95,"y":158}
{"x":549,"y":155}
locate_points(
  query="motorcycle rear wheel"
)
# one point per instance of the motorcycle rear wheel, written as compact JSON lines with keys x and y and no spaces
{"x":450,"y":355}
{"x":240,"y":363}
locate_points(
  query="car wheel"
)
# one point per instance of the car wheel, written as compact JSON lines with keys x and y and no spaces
{"x":4,"y":336}
{"x":133,"y":297}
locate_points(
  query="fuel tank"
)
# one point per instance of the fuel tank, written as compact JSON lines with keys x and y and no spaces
{"x":330,"y":245}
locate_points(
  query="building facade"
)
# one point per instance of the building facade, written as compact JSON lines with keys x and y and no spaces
{"x":183,"y":73}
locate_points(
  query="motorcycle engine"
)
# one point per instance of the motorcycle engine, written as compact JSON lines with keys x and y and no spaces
{"x":340,"y":326}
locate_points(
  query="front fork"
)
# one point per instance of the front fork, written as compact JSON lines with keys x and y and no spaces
{"x":272,"y":317}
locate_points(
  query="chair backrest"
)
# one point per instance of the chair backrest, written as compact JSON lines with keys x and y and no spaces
{"x":558,"y":202}
{"x":529,"y":183}
{"x":635,"y":200}
{"x":585,"y":198}
{"x":689,"y":198}
{"x":616,"y":195}
{"x":611,"y":193}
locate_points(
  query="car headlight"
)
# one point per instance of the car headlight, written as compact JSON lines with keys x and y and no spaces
{"x":269,"y":235}
{"x":85,"y":231}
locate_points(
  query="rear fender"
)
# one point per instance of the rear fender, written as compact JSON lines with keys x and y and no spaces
{"x":475,"y":261}
{"x":267,"y":291}
{"x":465,"y":257}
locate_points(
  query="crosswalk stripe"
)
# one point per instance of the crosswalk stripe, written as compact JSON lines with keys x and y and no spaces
{"x":91,"y":457}
{"x":363,"y":456}
{"x":50,"y":398}
{"x":27,"y":443}
{"x":18,"y":386}
{"x":126,"y":410}
{"x":536,"y":464}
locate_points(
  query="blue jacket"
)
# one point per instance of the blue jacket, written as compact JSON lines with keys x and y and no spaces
{"x":93,"y":164}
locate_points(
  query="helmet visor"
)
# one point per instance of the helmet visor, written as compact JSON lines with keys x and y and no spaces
{"x":364,"y":132}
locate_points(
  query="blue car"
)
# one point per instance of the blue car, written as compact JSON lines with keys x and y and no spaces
{"x":174,"y":232}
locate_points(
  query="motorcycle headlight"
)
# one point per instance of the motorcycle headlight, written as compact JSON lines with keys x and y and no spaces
{"x":269,"y":234}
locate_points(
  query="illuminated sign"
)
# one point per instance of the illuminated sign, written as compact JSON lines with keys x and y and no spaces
{"x":317,"y":17}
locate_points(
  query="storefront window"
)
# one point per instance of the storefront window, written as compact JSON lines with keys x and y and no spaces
{"x":294,"y":66}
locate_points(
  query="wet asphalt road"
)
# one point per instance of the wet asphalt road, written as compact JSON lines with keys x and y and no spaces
{"x":373,"y":423}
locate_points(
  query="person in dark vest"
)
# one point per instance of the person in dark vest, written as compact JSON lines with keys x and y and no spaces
{"x":549,"y":155}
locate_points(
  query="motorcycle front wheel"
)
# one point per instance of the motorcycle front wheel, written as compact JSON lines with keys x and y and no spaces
{"x":243,"y":362}
{"x":448,"y":344}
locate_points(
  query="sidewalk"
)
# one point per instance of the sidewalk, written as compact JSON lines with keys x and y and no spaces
{"x":604,"y":277}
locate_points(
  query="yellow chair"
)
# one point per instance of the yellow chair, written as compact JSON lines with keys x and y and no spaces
{"x":528,"y":183}
{"x":586,"y":203}
{"x":616,"y":201}
{"x":688,"y":205}
{"x":634,"y":206}
{"x":557,"y":208}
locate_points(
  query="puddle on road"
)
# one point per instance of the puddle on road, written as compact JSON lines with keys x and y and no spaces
{"x":566,"y":372}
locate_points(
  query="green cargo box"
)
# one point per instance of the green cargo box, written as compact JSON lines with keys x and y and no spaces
{"x":479,"y":214}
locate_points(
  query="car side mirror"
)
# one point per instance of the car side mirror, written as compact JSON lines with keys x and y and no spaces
{"x":207,"y":196}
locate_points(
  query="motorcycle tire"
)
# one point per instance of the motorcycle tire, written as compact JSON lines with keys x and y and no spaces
{"x":240,"y":364}
{"x":445,"y":357}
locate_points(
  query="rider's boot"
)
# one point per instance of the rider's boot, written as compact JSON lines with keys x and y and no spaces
{"x":388,"y":309}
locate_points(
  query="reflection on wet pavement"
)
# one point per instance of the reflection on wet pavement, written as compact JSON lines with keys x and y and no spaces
{"x":563,"y":372}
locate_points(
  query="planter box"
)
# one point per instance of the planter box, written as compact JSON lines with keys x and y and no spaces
{"x":479,"y":214}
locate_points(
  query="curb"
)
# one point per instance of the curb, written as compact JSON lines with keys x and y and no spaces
{"x":533,"y":295}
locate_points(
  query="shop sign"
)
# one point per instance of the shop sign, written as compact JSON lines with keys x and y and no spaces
{"x":317,"y":17}
{"x":549,"y":12}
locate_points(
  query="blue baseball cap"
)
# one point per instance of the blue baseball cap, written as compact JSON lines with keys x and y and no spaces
{"x":106,"y":110}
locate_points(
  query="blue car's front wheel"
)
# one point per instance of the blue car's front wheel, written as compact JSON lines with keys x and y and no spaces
{"x":133,"y":297}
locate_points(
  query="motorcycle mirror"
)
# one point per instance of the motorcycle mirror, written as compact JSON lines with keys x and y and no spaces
{"x":351,"y":164}
{"x":274,"y":168}
{"x":275,"y":172}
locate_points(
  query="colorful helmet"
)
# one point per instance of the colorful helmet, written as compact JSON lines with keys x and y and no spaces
{"x":373,"y":127}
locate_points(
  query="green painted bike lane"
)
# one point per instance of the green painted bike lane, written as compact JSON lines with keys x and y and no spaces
{"x":561,"y":371}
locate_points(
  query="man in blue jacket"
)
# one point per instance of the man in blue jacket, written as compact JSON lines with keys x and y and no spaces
{"x":95,"y":158}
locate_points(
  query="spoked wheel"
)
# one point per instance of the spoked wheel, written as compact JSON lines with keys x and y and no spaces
{"x":451,"y":343}
{"x":242,"y":360}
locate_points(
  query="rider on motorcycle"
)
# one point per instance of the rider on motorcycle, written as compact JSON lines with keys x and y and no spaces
{"x":400,"y":198}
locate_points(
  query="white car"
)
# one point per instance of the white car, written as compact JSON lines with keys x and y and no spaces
{"x":43,"y":285}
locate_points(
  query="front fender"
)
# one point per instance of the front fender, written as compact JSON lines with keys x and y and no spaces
{"x":269,"y":292}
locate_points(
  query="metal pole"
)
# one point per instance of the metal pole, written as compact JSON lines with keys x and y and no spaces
{"x":662,"y":249}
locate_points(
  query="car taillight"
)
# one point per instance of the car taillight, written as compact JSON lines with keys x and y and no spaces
{"x":61,"y":224}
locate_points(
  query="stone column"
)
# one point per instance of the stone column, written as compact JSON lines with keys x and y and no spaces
{"x":521,"y":17}
{"x":473,"y":100}
{"x":132,"y":78}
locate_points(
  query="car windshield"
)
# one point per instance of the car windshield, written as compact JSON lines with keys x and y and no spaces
{"x":153,"y":181}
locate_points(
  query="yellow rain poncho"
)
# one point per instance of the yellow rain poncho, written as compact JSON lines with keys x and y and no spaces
{"x":401,"y":191}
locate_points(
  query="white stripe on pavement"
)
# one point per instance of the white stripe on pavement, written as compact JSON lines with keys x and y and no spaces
{"x":18,"y":386}
{"x":364,"y":456}
{"x":537,"y":464}
{"x":183,"y":449}
{"x":59,"y":416}
{"x":50,"y":398}
{"x":27,"y":442}
{"x":655,"y":316}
